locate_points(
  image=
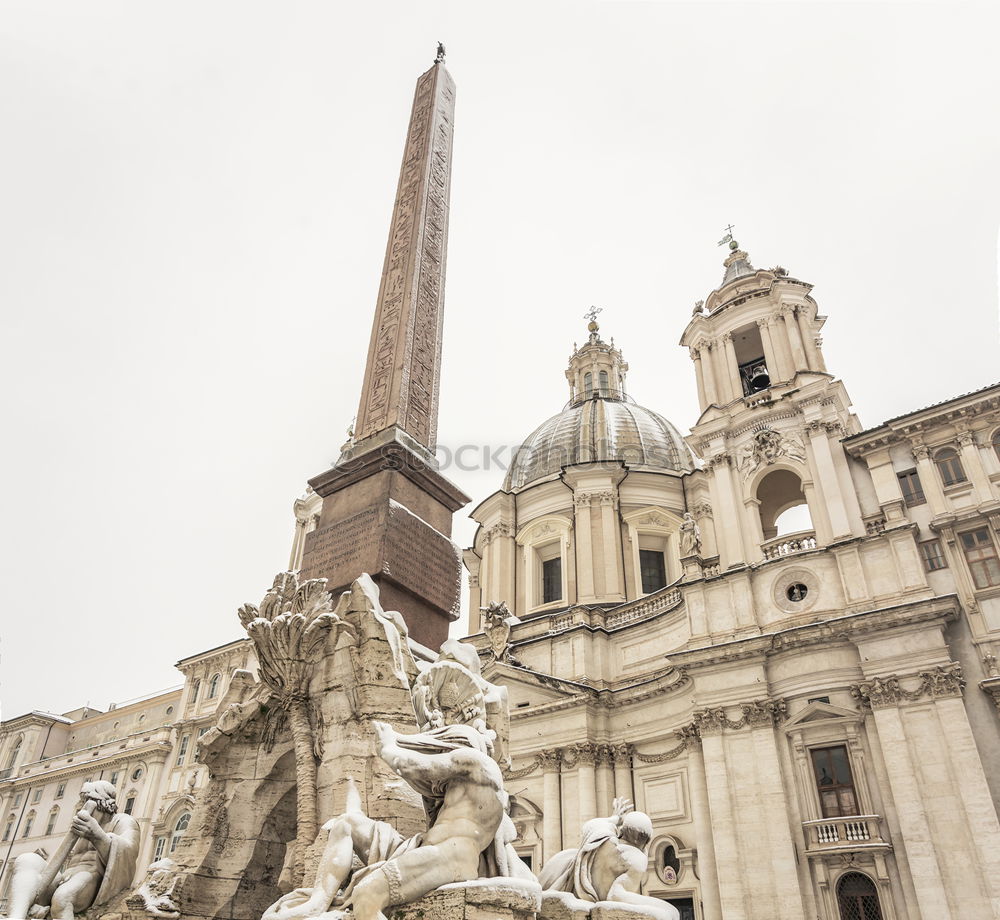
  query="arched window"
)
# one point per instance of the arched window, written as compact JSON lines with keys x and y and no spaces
{"x":14,"y":751}
{"x":8,"y":827}
{"x":195,"y":691}
{"x":27,"y":824}
{"x":602,"y":379}
{"x":588,"y":385}
{"x":53,"y":817}
{"x":213,"y":686}
{"x":949,"y":466}
{"x":182,"y":823}
{"x":995,"y":441}
{"x":783,"y":509}
{"x":857,"y":898}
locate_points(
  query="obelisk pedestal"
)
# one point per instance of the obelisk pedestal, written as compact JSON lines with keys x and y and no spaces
{"x":386,"y":508}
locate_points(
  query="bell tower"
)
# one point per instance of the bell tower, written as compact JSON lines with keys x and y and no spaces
{"x":771,"y":415}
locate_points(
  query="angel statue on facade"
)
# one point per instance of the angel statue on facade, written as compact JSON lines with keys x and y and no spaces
{"x":453,"y":762}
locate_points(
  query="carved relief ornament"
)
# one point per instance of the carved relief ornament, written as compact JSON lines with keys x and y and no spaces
{"x":882,"y":692}
{"x":753,"y":714}
{"x":768,"y":446}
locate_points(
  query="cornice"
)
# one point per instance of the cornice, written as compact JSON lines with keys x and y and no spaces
{"x":844,"y":628}
{"x":154,"y":751}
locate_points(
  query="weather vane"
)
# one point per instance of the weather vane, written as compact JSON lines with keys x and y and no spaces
{"x":439,"y":57}
{"x":591,"y":314}
{"x":728,"y":238}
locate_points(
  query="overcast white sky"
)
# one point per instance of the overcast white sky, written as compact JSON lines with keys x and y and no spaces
{"x":195,"y":202}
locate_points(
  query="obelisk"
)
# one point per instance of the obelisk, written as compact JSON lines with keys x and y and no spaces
{"x":386,"y":508}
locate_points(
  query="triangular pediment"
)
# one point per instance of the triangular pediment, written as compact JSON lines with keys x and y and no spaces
{"x":527,"y":686}
{"x":818,"y":711}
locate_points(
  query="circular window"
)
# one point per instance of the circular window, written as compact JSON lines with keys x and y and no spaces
{"x":142,"y":718}
{"x":115,"y":726}
{"x":170,"y":710}
{"x":796,"y":592}
{"x":137,"y":773}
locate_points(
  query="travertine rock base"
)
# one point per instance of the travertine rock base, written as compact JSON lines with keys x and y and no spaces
{"x":486,"y":899}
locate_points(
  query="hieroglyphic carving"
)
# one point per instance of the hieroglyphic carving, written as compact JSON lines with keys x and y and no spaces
{"x":402,"y":377}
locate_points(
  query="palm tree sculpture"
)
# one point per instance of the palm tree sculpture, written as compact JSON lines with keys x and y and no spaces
{"x":289,"y":631}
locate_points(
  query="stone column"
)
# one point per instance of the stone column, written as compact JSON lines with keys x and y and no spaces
{"x":611,"y":534}
{"x":711,"y":381}
{"x":586,"y":754}
{"x":732,"y":368}
{"x":724,"y":501}
{"x":809,"y":339}
{"x":930,"y":482}
{"x":551,"y":803}
{"x":605,"y":779}
{"x":584,"y":549}
{"x":826,"y":474}
{"x":298,"y":545}
{"x":708,"y":875}
{"x":906,"y":794}
{"x":475,"y":602}
{"x":771,"y":788}
{"x":754,"y":530}
{"x":794,"y":339}
{"x":622,"y":754}
{"x":973,"y":463}
{"x":972,"y":788}
{"x":774,"y":369}
{"x":699,"y":374}
{"x":727,"y":857}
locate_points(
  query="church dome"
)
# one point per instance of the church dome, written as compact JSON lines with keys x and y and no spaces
{"x":599,"y":428}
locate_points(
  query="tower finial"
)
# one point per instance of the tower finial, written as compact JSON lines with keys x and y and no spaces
{"x":591,"y":315}
{"x":439,"y":57}
{"x":728,"y":238}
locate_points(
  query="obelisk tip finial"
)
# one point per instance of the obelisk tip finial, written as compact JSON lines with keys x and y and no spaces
{"x":439,"y":57}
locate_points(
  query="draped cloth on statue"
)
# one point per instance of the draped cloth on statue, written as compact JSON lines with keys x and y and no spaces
{"x":573,"y":870}
{"x":117,"y":873}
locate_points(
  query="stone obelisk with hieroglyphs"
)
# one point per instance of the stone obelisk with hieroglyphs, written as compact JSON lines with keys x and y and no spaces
{"x":386,"y":508}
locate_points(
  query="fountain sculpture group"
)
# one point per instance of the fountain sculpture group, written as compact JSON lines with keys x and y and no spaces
{"x":344,"y":714}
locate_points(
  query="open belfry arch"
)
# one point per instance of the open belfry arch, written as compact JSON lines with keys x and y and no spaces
{"x":778,"y":636}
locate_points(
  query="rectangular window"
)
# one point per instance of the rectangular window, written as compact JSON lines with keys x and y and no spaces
{"x":114,"y":778}
{"x":129,"y":804}
{"x":182,"y":751}
{"x":17,"y":799}
{"x":653,"y":569}
{"x":37,"y":797}
{"x":7,"y":830}
{"x":909,"y":485}
{"x":551,"y":580}
{"x":52,"y":823}
{"x":60,"y":790}
{"x":981,"y":555}
{"x":160,"y":844}
{"x":932,"y":555}
{"x":834,"y":781}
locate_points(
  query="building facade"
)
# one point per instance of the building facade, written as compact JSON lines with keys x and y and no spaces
{"x":779,"y":635}
{"x":147,"y":748}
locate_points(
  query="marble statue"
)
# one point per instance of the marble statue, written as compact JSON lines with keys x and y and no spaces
{"x":497,"y":620}
{"x":609,"y":864}
{"x":95,"y":861}
{"x":690,"y":536}
{"x":453,"y":763}
{"x":156,"y":893}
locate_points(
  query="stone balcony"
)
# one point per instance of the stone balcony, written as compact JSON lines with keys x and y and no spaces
{"x":843,"y":835}
{"x":799,"y":542}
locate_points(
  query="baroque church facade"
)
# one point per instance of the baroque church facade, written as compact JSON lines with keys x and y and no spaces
{"x":778,"y":635}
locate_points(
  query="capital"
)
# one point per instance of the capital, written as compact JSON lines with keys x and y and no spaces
{"x":550,"y":759}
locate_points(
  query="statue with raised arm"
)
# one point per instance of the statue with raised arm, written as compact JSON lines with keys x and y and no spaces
{"x":95,"y":861}
{"x":453,"y":762}
{"x":609,"y":865}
